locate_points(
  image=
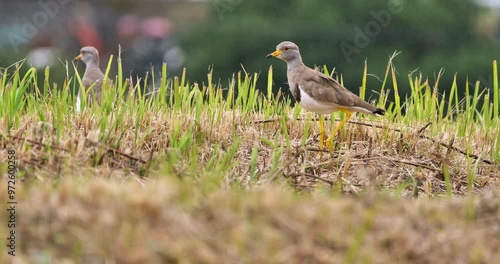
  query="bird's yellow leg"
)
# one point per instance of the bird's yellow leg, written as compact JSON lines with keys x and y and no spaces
{"x":321,"y":132}
{"x":330,"y":139}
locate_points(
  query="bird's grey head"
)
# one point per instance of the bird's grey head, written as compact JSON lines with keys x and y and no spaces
{"x":89,"y":55}
{"x":287,"y":51}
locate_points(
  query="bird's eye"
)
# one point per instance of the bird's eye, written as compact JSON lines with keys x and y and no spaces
{"x":83,"y":52}
{"x":286,"y":49}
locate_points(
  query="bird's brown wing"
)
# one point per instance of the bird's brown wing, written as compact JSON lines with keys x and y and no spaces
{"x":325,"y":89}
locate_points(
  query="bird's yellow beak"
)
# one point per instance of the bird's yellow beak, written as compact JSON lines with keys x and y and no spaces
{"x":274,"y":54}
{"x":79,"y":57}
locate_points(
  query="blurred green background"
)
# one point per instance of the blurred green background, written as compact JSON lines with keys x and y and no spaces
{"x":461,"y":36}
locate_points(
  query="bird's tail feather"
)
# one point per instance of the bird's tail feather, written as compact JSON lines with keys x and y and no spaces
{"x":379,"y":111}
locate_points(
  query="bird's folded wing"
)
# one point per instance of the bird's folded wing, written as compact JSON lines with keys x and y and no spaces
{"x":325,"y":89}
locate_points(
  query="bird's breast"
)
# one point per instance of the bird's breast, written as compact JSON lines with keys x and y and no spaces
{"x":310,"y":104}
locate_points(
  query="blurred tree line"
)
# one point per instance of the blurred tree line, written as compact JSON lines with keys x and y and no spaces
{"x":343,"y":34}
